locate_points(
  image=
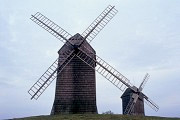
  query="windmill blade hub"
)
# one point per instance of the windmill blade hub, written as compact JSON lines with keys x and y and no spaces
{"x":134,"y":88}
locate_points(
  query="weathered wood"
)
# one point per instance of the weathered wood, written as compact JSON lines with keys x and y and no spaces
{"x":75,"y":85}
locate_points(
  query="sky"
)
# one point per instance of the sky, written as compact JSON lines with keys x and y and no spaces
{"x":144,"y":37}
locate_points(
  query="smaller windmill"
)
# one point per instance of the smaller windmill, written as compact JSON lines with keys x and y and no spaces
{"x":133,"y":102}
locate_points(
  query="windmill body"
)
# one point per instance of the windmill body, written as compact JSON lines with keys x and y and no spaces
{"x":76,"y":84}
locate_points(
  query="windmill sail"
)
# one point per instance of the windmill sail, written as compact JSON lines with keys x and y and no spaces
{"x":51,"y":27}
{"x":146,"y":77}
{"x":133,"y":99}
{"x":129,"y":107}
{"x":99,"y":23}
{"x":46,"y":79}
{"x":107,"y":71}
{"x":150,"y":103}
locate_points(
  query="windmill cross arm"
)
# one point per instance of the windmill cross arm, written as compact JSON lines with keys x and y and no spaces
{"x":107,"y":71}
{"x":131,"y":103}
{"x":150,"y":103}
{"x":51,"y":27}
{"x":129,"y":107}
{"x":146,"y":77}
{"x":45,"y":82}
{"x":46,"y":79}
{"x":99,"y":23}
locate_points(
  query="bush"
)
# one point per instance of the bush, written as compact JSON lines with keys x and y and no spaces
{"x":108,"y":112}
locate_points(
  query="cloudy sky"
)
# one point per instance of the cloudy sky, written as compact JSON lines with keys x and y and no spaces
{"x":143,"y":37}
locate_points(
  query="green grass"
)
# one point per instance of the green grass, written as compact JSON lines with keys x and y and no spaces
{"x":95,"y":117}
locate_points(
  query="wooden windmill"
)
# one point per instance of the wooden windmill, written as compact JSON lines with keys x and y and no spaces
{"x":133,"y":101}
{"x":75,"y":68}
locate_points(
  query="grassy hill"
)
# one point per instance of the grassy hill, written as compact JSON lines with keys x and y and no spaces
{"x":95,"y":117}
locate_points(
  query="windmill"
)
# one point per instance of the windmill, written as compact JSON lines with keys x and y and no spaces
{"x":133,"y":102}
{"x":77,"y":60}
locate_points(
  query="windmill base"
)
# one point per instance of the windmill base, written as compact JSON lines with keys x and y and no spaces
{"x":75,"y":108}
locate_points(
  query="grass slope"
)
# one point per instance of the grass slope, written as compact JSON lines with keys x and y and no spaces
{"x":95,"y":117}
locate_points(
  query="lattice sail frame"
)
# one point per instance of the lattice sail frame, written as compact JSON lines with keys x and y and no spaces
{"x":50,"y":74}
{"x":51,"y":27}
{"x":99,"y":23}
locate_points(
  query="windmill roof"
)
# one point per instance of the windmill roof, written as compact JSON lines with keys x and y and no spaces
{"x":128,"y":92}
{"x":76,"y":40}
